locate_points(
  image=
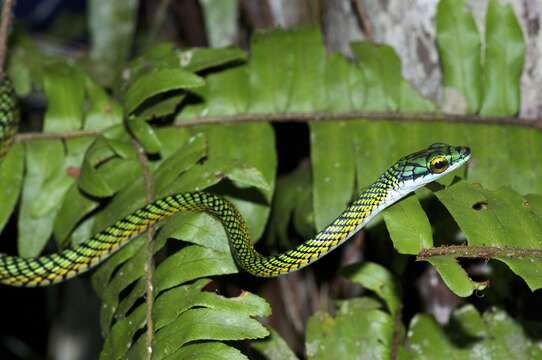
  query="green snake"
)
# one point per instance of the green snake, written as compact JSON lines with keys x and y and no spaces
{"x":405,"y":176}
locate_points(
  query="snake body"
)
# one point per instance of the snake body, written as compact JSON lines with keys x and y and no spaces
{"x":9,"y":114}
{"x":405,"y":176}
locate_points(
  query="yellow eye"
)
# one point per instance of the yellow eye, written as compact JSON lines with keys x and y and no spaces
{"x":438,"y":164}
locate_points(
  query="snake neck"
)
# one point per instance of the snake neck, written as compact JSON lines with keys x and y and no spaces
{"x":374,"y":199}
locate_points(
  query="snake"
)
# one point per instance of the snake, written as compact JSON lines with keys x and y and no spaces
{"x":406,"y":175}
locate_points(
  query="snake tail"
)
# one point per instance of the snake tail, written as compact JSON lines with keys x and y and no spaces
{"x":405,"y":176}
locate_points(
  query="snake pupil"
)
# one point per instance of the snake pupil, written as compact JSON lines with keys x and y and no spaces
{"x":438,"y":165}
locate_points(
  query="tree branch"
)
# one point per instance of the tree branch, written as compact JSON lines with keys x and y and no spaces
{"x":312,"y":116}
{"x":149,"y":263}
{"x":483,"y":252}
{"x":32,"y":136}
{"x":360,"y":115}
{"x":7,"y":10}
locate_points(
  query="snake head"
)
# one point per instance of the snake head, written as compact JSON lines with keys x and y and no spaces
{"x":422,"y":167}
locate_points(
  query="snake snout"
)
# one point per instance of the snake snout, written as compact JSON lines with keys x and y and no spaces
{"x":463,"y":150}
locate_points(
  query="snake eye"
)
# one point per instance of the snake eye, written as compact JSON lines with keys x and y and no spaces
{"x":438,"y":164}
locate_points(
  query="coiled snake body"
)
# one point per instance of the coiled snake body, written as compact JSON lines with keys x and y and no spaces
{"x":406,"y":175}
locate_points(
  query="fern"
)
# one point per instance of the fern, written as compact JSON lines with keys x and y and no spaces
{"x":176,"y":120}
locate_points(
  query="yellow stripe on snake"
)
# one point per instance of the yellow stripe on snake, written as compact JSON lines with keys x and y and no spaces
{"x":406,"y":175}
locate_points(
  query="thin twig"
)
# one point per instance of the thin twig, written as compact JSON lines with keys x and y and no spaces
{"x":149,"y":263}
{"x":312,"y":116}
{"x":7,"y":9}
{"x":32,"y":136}
{"x":357,"y":115}
{"x":483,"y":252}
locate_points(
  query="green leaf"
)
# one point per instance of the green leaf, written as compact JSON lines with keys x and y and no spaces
{"x":106,"y":162}
{"x":226,"y":93}
{"x":200,"y":324}
{"x":304,"y":214}
{"x":485,"y":167}
{"x":74,"y":207}
{"x":357,"y":332}
{"x":412,"y":101}
{"x":145,"y":134}
{"x":171,"y":304}
{"x":119,"y":341}
{"x":308,"y":64}
{"x":378,"y":279}
{"x":158,"y":81}
{"x":381,"y":70}
{"x":57,"y":185}
{"x":270,"y":76}
{"x":127,"y":274}
{"x":249,"y":177}
{"x":91,"y":182}
{"x":411,"y":232}
{"x":194,"y":149}
{"x":458,"y":42}
{"x":470,"y":336}
{"x":65,"y":91}
{"x":11,"y":179}
{"x":102,"y":276}
{"x":197,"y":228}
{"x":103,"y":111}
{"x":503,"y":61}
{"x":44,"y":164}
{"x":274,"y":347}
{"x":110,"y":163}
{"x":503,"y":220}
{"x":204,"y":58}
{"x":82,"y":232}
{"x":258,"y":152}
{"x":184,"y":266}
{"x":161,"y":108}
{"x":209,"y":350}
{"x":172,"y":139}
{"x":455,"y":277}
{"x":52,"y":193}
{"x":131,"y":197}
{"x":344,"y":85}
{"x":332,"y":161}
{"x":190,"y":263}
{"x":408,"y":226}
{"x":20,"y":61}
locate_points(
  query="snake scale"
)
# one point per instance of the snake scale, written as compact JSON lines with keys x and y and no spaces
{"x":406,"y":175}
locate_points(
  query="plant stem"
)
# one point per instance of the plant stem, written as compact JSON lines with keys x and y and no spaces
{"x":357,"y":115}
{"x":484,"y":252}
{"x":33,"y":136}
{"x":149,"y":263}
{"x":313,"y":116}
